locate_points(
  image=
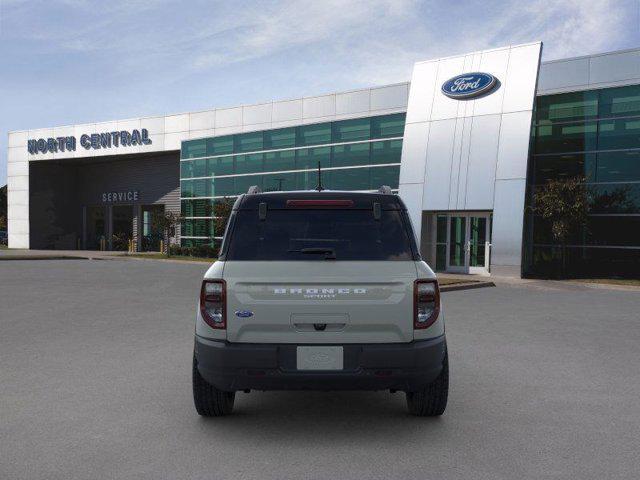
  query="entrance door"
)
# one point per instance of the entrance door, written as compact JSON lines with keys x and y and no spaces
{"x":468,"y":243}
{"x":96,"y":227}
{"x":122,"y":227}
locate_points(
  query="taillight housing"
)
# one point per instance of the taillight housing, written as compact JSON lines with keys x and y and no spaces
{"x":213,"y":303}
{"x":426,"y":303}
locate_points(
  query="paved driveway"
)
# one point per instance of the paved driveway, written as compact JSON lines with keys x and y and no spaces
{"x":95,"y":361}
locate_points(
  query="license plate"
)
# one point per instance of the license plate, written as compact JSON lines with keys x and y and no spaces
{"x":320,"y":358}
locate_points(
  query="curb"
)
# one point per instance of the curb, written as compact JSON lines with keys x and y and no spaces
{"x":45,"y":257}
{"x":466,"y":286}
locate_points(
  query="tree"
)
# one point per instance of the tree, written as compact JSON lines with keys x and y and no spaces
{"x":222,"y":212}
{"x":565,"y":204}
{"x":166,"y":222}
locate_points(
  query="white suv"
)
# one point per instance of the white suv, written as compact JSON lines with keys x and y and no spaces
{"x":320,"y":291}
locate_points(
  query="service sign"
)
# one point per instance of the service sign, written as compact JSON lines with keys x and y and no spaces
{"x":469,"y":85}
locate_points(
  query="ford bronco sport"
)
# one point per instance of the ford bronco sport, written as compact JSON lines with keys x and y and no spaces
{"x":320,"y":291}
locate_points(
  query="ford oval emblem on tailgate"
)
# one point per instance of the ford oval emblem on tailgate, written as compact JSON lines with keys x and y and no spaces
{"x":244,"y":313}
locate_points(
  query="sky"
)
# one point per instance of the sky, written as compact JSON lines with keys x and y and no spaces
{"x":65,"y":62}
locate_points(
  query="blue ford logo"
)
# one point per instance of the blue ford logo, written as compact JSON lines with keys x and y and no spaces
{"x":469,"y":85}
{"x":244,"y":313}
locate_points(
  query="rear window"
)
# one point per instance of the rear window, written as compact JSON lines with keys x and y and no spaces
{"x":320,"y":235}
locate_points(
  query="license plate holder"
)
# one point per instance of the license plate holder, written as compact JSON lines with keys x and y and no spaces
{"x":320,"y":358}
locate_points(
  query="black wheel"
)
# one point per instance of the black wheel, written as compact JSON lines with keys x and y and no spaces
{"x":431,"y":401}
{"x":209,"y":401}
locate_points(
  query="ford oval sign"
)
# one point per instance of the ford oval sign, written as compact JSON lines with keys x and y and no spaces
{"x":244,"y":313}
{"x":469,"y":85}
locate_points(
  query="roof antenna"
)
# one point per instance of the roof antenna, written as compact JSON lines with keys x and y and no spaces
{"x":319,"y":187}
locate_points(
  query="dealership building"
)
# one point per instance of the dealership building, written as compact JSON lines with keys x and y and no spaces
{"x":467,"y":143}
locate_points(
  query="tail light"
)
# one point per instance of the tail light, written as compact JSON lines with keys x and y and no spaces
{"x":426,"y":303}
{"x":213,"y":303}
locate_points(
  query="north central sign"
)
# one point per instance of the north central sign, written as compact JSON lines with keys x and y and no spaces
{"x":93,"y":141}
{"x":469,"y":85}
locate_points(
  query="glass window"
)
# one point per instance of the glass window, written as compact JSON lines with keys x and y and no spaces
{"x":620,"y":102}
{"x":197,"y":228}
{"x":550,"y":167}
{"x":284,"y":160}
{"x":194,"y":148}
{"x":221,"y":166}
{"x":352,"y":130}
{"x":308,"y":180}
{"x":250,"y":163}
{"x":615,"y":134}
{"x":388,"y":126}
{"x":347,"y":179}
{"x":348,"y":155}
{"x":280,"y":138}
{"x":615,"y":198}
{"x":574,"y":137}
{"x":197,"y":208}
{"x":186,"y":188}
{"x":186,"y":169}
{"x":313,"y":134}
{"x":309,"y":158}
{"x":286,"y":233}
{"x":220,"y":145}
{"x":279,"y":182}
{"x":388,"y":151}
{"x":618,"y":167}
{"x":389,"y":176}
{"x":199,"y":188}
{"x":248,"y":142}
{"x":243,"y":183}
{"x":566,"y":107}
{"x":221,"y":187}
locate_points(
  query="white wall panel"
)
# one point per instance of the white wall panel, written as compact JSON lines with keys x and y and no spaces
{"x":229,"y":117}
{"x":202,"y":120}
{"x":253,"y":114}
{"x":154,"y":125}
{"x":422,"y":91}
{"x":287,"y":111}
{"x":614,"y":67}
{"x":494,"y":62}
{"x":514,"y":145}
{"x":508,"y":215}
{"x":314,"y":107}
{"x":352,"y":102}
{"x":18,"y":139}
{"x":176,"y":123}
{"x":438,"y":167}
{"x":481,"y":168}
{"x":520,"y":83}
{"x":445,"y":107}
{"x":414,"y":153}
{"x":17,"y":154}
{"x":556,"y":75}
{"x":412,"y":198}
{"x":18,"y":240}
{"x":15,"y":169}
{"x":393,"y":96}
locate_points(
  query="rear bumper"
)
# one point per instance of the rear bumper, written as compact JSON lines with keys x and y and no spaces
{"x":399,"y":366}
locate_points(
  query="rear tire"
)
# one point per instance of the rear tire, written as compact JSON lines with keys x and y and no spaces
{"x":209,"y":401}
{"x":431,"y":401}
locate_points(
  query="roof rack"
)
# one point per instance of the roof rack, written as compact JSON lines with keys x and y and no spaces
{"x":385,"y":189}
{"x":253,"y":189}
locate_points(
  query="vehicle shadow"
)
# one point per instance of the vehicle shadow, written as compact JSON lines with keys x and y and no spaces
{"x":316,"y":417}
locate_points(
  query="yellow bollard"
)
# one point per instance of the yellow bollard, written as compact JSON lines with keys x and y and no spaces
{"x":161,"y":246}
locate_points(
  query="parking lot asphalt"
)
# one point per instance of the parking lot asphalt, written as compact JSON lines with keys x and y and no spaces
{"x":95,"y":365}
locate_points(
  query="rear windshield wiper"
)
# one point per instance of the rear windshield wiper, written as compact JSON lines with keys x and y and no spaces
{"x":330,"y":253}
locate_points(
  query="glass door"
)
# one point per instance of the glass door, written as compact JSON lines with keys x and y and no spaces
{"x":468,"y":243}
{"x":457,"y":244}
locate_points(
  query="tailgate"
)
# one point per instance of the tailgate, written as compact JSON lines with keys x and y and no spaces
{"x":320,"y":301}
